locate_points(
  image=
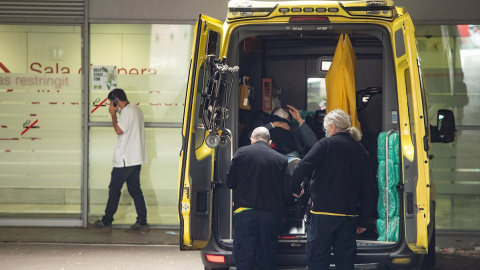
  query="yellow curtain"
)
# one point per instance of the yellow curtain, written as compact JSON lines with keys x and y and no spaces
{"x":340,"y":80}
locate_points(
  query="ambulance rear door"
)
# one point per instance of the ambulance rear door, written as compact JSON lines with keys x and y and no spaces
{"x":196,"y":158}
{"x":414,"y":146}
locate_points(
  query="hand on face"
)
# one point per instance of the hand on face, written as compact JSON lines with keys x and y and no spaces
{"x":112,"y":109}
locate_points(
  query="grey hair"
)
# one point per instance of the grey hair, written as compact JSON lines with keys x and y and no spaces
{"x":343,"y":122}
{"x":261,"y":133}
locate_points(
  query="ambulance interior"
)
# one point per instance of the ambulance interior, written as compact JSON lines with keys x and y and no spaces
{"x":295,"y":64}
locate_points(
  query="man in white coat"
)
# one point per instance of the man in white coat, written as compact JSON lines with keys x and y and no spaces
{"x":130,"y":153}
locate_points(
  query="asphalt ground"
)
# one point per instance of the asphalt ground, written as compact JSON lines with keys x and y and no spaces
{"x":51,"y":256}
{"x":85,"y":248}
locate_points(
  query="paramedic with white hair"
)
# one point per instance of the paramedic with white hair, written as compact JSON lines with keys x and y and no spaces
{"x":341,"y":190}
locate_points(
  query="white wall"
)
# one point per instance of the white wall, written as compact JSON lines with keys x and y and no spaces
{"x":422,"y":12}
{"x":156,"y":10}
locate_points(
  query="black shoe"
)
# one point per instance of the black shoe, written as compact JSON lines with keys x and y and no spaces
{"x":138,"y":228}
{"x":100,"y":226}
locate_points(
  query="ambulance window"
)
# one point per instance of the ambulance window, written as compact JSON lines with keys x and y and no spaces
{"x":316,"y":89}
{"x":424,"y":103}
{"x":411,"y":113}
{"x":316,"y":94}
{"x":399,"y":43}
{"x":213,"y":44}
{"x":324,"y":64}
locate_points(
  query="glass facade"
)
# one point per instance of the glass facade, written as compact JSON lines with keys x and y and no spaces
{"x":40,"y":119}
{"x":451,"y":64}
{"x":158,"y":177}
{"x":41,"y":115}
{"x":151,"y":63}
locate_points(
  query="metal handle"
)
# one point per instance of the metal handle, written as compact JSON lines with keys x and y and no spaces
{"x":230,"y":137}
{"x":386,"y":180}
{"x":199,"y":125}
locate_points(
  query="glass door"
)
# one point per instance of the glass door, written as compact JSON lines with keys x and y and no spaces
{"x":150,"y":63}
{"x":40,"y":123}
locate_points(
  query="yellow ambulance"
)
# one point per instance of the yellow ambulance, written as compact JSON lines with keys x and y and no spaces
{"x":272,"y":54}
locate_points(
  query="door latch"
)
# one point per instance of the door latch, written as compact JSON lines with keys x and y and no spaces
{"x":216,"y":185}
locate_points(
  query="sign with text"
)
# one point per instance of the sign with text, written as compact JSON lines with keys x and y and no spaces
{"x":40,"y":81}
{"x":104,"y":78}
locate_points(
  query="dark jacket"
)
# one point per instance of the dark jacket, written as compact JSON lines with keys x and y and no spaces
{"x":342,"y":180}
{"x":298,"y":138}
{"x":259,"y":178}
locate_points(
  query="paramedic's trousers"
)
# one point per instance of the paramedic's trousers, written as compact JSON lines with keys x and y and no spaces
{"x":131,"y":175}
{"x":255,"y":238}
{"x":326,"y":232}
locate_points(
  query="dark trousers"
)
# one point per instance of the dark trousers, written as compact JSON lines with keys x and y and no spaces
{"x":255,"y":238}
{"x":331,"y":232}
{"x":131,"y":175}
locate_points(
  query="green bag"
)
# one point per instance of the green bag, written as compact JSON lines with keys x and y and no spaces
{"x":390,"y":235}
{"x":388,"y":206}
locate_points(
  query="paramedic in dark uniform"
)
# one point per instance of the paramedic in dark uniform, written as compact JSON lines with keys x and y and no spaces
{"x":341,"y":190}
{"x":259,"y":179}
{"x":130,"y":152}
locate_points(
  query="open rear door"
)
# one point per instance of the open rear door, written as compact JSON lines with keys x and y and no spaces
{"x":416,"y":179}
{"x":196,"y":159}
